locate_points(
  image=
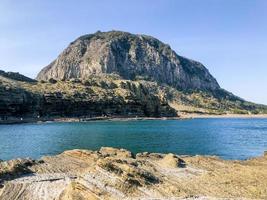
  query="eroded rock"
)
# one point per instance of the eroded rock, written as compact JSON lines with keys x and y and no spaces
{"x":111,"y":173}
{"x":113,"y":152}
{"x":172,"y":161}
{"x":14,"y":168}
{"x":130,"y":56}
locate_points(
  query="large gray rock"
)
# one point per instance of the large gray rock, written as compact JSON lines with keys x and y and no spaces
{"x":132,"y":57}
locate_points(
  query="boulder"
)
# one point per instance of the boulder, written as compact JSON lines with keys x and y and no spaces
{"x":114,"y":152}
{"x":171,"y":161}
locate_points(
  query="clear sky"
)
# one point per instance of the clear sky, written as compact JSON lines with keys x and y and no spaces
{"x":228,"y":36}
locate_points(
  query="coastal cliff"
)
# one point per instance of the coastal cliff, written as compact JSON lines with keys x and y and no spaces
{"x":108,"y":96}
{"x":117,"y":74}
{"x":111,"y":173}
{"x":98,"y":96}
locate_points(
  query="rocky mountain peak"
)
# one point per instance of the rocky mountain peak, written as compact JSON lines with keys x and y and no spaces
{"x":132,"y":57}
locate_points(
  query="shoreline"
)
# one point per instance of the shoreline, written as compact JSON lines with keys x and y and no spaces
{"x":120,"y":174}
{"x":127,"y":118}
{"x":201,"y":116}
{"x":76,"y":119}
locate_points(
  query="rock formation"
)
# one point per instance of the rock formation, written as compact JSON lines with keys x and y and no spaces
{"x":16,"y":76}
{"x":107,"y":96}
{"x":118,"y":74}
{"x":118,"y":174}
{"x":130,"y":56}
{"x":95,"y":97}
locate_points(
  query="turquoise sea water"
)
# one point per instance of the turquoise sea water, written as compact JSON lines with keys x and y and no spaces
{"x":227,"y":138}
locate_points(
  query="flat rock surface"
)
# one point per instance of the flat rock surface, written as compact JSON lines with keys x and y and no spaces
{"x":118,"y":174}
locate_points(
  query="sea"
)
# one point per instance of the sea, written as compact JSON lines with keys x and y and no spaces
{"x":228,"y":138}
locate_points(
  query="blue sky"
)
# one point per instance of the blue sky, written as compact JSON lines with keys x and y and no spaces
{"x":228,"y":36}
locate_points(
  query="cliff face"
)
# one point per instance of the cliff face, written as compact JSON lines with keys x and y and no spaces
{"x":132,"y":57}
{"x":118,"y":74}
{"x":109,"y":95}
{"x":97,"y":96}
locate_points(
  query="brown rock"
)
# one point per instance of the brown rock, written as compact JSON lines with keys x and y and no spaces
{"x":113,"y":152}
{"x":114,"y":174}
{"x":172,"y":161}
{"x":77,"y":191}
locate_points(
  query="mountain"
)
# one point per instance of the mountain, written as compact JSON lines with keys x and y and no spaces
{"x":130,"y":56}
{"x":118,"y":74}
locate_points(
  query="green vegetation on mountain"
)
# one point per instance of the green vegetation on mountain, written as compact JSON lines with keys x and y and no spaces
{"x":110,"y":95}
{"x":118,"y":74}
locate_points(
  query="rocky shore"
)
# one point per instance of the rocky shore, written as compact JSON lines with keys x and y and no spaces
{"x":14,"y":120}
{"x":111,"y":173}
{"x":18,"y":120}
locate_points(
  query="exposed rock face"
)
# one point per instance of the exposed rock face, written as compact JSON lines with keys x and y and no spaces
{"x":18,"y":102}
{"x":132,"y":57}
{"x":107,"y":95}
{"x":95,"y":97}
{"x":118,"y":74}
{"x":117,"y":174}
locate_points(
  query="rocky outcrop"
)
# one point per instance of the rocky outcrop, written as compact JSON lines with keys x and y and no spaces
{"x":130,"y":56}
{"x":18,"y":102}
{"x":112,"y":173}
{"x":108,"y":96}
{"x":16,"y":76}
{"x":117,"y":74}
{"x":99,"y":96}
